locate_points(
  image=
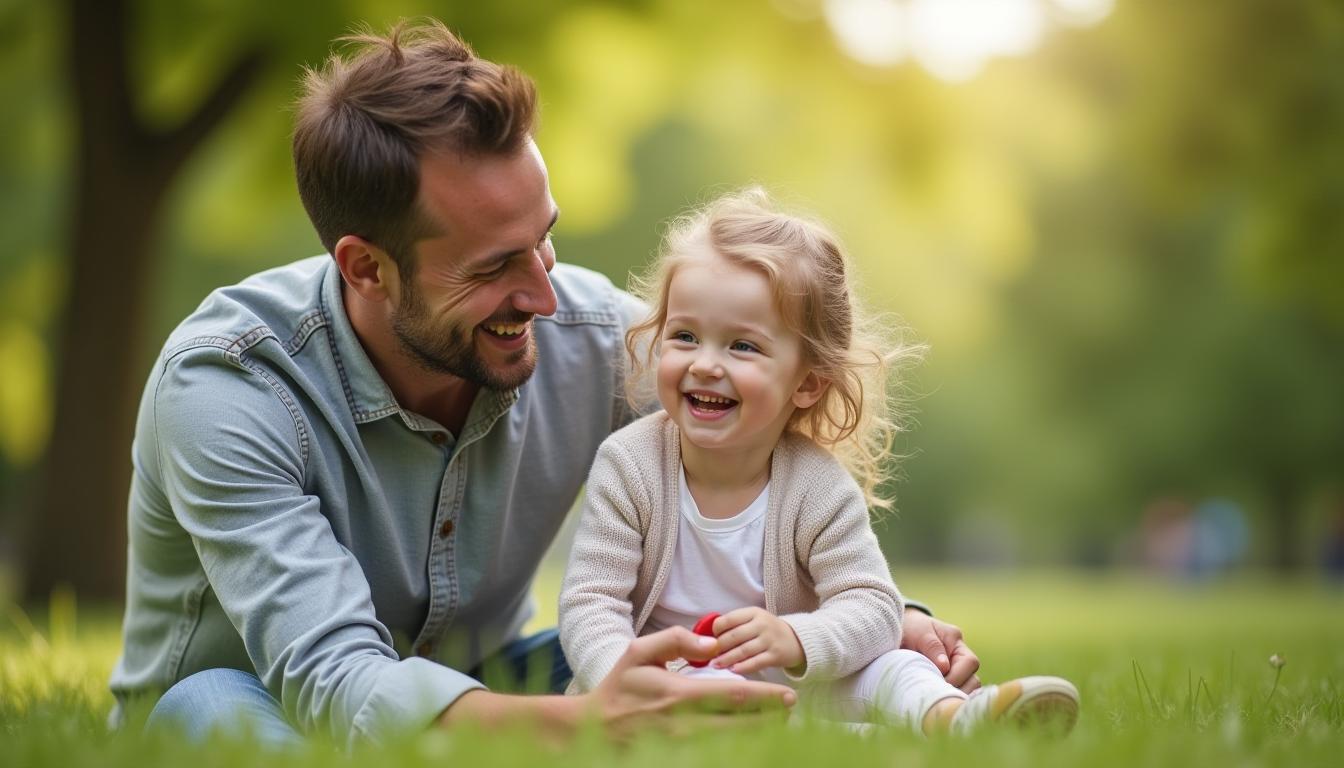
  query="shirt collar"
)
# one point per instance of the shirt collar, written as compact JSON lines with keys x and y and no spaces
{"x":365,"y":391}
{"x":368,"y":395}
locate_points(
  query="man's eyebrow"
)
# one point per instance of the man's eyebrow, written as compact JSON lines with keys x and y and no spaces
{"x":497,"y":259}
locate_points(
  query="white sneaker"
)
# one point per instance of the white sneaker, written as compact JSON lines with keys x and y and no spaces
{"x":1039,"y":701}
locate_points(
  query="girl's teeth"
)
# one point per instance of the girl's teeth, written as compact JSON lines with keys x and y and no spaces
{"x":708,"y":399}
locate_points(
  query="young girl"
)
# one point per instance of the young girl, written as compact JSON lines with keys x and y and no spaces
{"x":740,"y":497}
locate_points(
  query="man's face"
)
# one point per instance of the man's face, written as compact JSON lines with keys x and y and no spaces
{"x":467,"y":308}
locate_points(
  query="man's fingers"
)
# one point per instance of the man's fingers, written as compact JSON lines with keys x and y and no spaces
{"x":950,"y":636}
{"x":669,"y":644}
{"x":964,"y":666}
{"x":931,"y":646}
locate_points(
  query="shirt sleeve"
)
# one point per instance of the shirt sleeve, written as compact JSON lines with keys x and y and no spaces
{"x":232,"y":450}
{"x":860,"y":613}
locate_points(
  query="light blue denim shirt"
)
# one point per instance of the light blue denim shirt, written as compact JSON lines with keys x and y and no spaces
{"x":287,"y":517}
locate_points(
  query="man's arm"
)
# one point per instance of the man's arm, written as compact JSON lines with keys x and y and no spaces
{"x":232,"y":458}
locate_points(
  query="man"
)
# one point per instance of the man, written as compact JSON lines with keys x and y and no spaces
{"x":347,"y":469}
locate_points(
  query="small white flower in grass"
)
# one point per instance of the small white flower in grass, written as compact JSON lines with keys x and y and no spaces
{"x":1276,"y":661}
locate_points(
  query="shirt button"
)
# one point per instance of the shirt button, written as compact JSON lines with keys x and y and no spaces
{"x":438,"y":438}
{"x":424,"y":649}
{"x":446,"y":529}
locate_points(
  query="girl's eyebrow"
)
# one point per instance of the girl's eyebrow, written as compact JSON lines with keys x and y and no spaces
{"x":755,"y":330}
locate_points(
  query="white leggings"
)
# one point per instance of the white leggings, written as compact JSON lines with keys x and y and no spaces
{"x":897,"y":688}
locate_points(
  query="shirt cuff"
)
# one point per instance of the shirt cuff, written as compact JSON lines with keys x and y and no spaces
{"x":918,"y":606}
{"x":409,"y":695}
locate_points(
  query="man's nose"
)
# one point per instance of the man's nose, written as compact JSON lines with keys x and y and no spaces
{"x":537,"y":295}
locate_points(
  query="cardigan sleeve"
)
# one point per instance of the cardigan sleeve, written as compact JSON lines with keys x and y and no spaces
{"x":859,"y":617}
{"x":596,"y":614}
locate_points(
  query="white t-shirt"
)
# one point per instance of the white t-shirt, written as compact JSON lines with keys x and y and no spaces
{"x":717,"y":564}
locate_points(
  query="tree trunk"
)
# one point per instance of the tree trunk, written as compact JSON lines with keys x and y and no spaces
{"x":80,"y":533}
{"x":123,"y":173}
{"x":1285,"y":530}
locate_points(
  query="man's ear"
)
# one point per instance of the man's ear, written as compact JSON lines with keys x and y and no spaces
{"x":810,"y":390}
{"x":367,"y":269}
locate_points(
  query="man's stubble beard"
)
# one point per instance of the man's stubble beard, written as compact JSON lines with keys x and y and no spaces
{"x":452,"y":350}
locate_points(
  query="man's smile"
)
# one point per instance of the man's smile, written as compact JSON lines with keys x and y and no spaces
{"x":507,"y":336}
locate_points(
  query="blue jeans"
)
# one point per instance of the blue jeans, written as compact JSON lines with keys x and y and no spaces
{"x":234,"y":702}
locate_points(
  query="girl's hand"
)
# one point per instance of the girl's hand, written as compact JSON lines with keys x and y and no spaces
{"x":752,"y":639}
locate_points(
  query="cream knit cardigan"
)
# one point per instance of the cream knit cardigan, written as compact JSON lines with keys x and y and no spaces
{"x":824,"y":572}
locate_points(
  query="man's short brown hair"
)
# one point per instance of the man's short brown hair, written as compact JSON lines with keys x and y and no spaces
{"x":364,"y":121}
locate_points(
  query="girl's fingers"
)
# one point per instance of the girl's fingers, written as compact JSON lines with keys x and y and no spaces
{"x":738,"y":635}
{"x":733,"y":619}
{"x":744,"y":651}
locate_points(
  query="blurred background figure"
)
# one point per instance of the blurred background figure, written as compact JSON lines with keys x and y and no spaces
{"x":1193,"y":542}
{"x":1332,"y":543}
{"x":1219,"y":539}
{"x":1168,"y":533}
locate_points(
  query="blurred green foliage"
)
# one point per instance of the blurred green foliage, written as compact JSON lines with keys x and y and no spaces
{"x":1125,"y":248}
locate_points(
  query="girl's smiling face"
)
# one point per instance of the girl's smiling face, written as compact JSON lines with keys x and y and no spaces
{"x":730,"y":372}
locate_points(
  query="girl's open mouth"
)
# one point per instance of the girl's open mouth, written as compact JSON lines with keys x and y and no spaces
{"x":709,"y":406}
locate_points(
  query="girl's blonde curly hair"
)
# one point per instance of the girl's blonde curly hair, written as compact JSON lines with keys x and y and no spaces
{"x":857,"y":417}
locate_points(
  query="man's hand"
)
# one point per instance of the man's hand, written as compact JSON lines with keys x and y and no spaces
{"x":752,"y":639}
{"x":639,"y":691}
{"x":943,"y":644}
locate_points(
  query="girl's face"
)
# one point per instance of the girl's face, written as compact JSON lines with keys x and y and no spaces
{"x":730,"y":373}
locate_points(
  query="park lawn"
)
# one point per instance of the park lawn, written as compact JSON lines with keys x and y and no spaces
{"x":1171,"y":674}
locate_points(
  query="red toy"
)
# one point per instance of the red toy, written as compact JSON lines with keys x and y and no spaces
{"x":705,"y":626}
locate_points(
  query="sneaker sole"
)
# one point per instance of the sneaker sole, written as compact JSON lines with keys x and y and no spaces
{"x":1050,"y":703}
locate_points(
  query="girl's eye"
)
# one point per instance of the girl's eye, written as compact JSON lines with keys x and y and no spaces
{"x":684,"y":336}
{"x":742,"y":346}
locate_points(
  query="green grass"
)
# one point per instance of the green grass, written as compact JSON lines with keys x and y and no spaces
{"x":1170,"y":674}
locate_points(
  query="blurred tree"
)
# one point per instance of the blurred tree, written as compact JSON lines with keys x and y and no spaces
{"x":124,"y":169}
